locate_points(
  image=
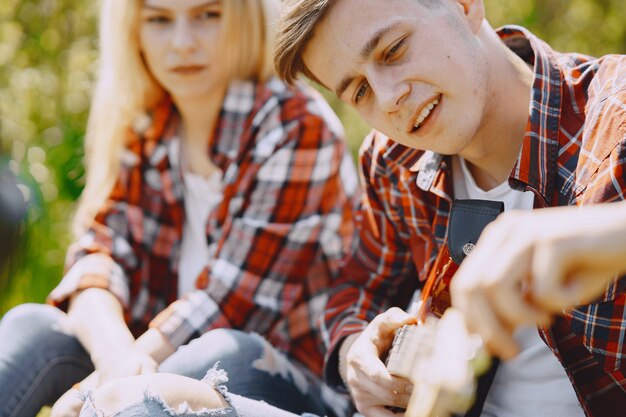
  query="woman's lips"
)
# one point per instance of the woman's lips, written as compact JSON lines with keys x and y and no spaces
{"x":188,"y":69}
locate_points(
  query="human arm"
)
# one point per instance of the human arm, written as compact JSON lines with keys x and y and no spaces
{"x":547,"y":261}
{"x":96,"y":287}
{"x":379,"y":274}
{"x":152,"y":348}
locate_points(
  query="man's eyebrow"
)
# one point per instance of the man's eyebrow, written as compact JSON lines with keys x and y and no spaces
{"x":366,"y":51}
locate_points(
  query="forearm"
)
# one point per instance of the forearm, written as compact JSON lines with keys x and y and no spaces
{"x":97,"y":319}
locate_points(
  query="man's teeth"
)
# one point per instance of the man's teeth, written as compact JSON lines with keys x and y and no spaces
{"x":425,"y":112}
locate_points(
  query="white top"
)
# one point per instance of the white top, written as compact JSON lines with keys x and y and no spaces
{"x":202,"y":195}
{"x":534,"y":383}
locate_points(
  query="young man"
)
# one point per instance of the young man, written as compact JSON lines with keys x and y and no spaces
{"x":463,"y":111}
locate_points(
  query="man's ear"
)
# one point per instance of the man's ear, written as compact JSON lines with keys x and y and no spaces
{"x":474,"y":11}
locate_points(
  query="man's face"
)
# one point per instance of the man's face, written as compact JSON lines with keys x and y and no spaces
{"x":415,"y":72}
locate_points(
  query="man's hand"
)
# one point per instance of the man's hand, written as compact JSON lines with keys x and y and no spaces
{"x":529,"y":265}
{"x":370,"y":384}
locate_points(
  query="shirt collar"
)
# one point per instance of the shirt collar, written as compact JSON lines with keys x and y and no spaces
{"x":233,"y":132}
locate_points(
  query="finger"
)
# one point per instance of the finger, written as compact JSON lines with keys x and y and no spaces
{"x":382,"y":329}
{"x":392,"y":319}
{"x":480,"y":319}
{"x":367,"y":370}
{"x":395,"y":394}
{"x":511,"y":308}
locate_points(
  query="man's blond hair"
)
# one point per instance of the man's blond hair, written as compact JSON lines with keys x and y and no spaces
{"x":295,"y":29}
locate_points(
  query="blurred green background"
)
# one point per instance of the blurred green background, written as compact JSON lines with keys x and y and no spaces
{"x":48,"y":54}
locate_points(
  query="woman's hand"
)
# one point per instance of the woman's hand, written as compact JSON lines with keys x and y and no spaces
{"x":129,"y":362}
{"x":372,"y":387}
{"x":68,"y":405}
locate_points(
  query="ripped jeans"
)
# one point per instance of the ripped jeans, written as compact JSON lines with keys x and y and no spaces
{"x":39,"y":361}
{"x":262,"y":381}
{"x":152,"y":405}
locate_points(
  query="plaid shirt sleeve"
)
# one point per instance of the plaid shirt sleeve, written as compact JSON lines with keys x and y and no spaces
{"x":102,"y":257}
{"x":289,"y":200}
{"x":380,"y":272}
{"x":601,"y":325}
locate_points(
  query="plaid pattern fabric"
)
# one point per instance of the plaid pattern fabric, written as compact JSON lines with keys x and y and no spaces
{"x":574,"y":153}
{"x":277,"y":237}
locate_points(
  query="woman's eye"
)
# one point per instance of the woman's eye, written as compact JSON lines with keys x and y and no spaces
{"x":206,"y":15}
{"x":158,"y":19}
{"x":360,"y":92}
{"x":393,"y":50}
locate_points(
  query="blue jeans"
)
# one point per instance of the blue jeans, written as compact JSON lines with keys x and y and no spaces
{"x":39,"y":362}
{"x":153,"y":406}
{"x":257,"y":371}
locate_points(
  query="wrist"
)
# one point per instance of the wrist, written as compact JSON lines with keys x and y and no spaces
{"x":103,"y":356}
{"x":344,"y":349}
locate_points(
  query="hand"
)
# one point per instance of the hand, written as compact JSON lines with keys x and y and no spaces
{"x":529,"y":265}
{"x":68,"y":405}
{"x":370,"y":384}
{"x":124,"y":363}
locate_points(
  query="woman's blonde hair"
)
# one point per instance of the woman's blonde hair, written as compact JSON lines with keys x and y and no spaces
{"x":125,"y":89}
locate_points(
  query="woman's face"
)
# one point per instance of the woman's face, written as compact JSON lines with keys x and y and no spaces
{"x":179,"y":40}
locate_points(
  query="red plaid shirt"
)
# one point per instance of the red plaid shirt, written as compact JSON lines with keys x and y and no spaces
{"x":574,"y":153}
{"x":277,"y":236}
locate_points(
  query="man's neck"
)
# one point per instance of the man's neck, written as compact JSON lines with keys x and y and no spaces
{"x":500,"y":138}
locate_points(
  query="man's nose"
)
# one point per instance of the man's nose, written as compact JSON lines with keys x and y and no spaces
{"x":389,"y":91}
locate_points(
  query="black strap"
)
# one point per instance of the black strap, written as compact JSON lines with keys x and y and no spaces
{"x":468,"y":218}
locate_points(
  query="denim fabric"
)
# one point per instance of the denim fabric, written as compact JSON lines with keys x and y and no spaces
{"x":39,"y":362}
{"x":153,"y":406}
{"x":257,"y":371}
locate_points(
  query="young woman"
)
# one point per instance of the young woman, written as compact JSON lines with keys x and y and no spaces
{"x":217,"y":203}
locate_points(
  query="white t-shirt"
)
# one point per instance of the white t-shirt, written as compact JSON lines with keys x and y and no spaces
{"x":202,"y":195}
{"x":534,"y":383}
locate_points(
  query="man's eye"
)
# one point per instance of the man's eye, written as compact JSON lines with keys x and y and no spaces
{"x":360,"y":92}
{"x":394,"y":50}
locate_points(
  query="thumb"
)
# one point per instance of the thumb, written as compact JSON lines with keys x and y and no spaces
{"x":393,"y":319}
